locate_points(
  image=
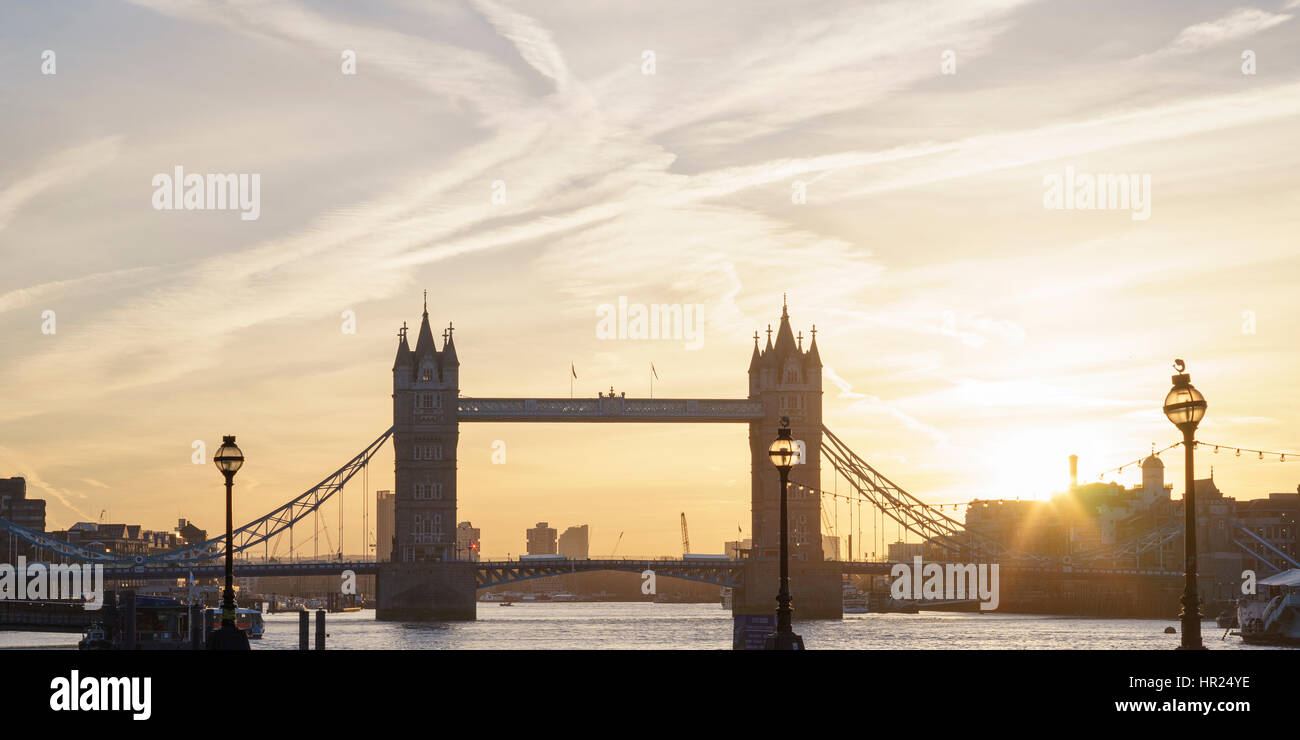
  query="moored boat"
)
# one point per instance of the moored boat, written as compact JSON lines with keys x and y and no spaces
{"x":1273,"y":618}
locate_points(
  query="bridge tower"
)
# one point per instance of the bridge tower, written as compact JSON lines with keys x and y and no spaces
{"x":425,"y":433}
{"x":423,"y":579}
{"x":788,"y":380}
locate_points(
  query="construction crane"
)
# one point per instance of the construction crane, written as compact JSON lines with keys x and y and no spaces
{"x":616,"y":544}
{"x":686,"y":540}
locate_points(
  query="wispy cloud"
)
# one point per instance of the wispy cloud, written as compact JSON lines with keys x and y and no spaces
{"x":59,"y":169}
{"x":67,"y":498}
{"x":1238,"y":24}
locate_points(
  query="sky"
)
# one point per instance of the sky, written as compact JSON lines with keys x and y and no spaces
{"x":887,"y":166}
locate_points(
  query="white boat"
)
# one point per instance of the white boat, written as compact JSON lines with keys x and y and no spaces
{"x":1273,"y":618}
{"x":566,"y":597}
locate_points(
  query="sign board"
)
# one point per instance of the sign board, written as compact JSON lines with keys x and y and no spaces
{"x":750,"y":631}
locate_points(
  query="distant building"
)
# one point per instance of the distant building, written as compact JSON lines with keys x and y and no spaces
{"x":575,"y":543}
{"x":541,"y":540}
{"x":1085,"y":525}
{"x":190,"y":534}
{"x":734,"y":548}
{"x":467,"y":542}
{"x":384,"y":531}
{"x":23,"y":511}
{"x":17,"y":508}
{"x":830,"y":547}
{"x":1273,"y":522}
{"x":119,"y":539}
{"x":904,"y":552}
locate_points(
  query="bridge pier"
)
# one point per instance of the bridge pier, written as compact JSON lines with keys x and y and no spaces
{"x":426,"y":592}
{"x":815,"y":589}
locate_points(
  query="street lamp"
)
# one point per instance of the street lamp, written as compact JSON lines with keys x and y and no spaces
{"x":1185,"y":406}
{"x":229,"y":460}
{"x":782,"y":454}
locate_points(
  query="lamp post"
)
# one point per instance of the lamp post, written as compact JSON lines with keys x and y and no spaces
{"x":782,"y":454}
{"x":228,"y":460}
{"x":1185,"y":406}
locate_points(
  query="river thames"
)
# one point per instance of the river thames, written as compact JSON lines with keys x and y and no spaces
{"x":651,"y":626}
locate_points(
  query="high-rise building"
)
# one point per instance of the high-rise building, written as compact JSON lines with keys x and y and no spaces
{"x":541,"y":540}
{"x":425,"y":433}
{"x":23,"y":511}
{"x":384,"y":510}
{"x":575,"y":543}
{"x":17,"y":508}
{"x":467,"y":542}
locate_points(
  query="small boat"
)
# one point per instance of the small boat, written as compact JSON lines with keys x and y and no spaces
{"x":506,"y":603}
{"x":94,"y":638}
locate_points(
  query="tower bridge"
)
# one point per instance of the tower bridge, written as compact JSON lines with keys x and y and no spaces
{"x":423,"y":578}
{"x":784,"y":381}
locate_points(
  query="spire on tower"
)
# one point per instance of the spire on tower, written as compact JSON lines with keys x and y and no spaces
{"x":784,"y":334}
{"x":403,"y":349}
{"x":813,"y":357}
{"x":424,"y":343}
{"x":449,"y":347}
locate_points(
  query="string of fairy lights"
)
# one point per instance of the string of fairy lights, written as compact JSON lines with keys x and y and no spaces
{"x":1236,"y":451}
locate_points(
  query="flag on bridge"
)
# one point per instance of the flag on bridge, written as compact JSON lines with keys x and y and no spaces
{"x":652,"y":369}
{"x":572,"y":372}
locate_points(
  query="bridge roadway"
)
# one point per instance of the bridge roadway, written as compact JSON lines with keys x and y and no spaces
{"x":488,"y":573}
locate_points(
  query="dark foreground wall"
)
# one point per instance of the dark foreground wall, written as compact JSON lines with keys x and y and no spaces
{"x":422,"y":592}
{"x":1092,"y":596}
{"x":815,"y":589}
